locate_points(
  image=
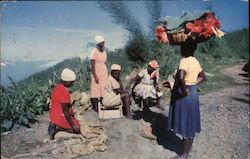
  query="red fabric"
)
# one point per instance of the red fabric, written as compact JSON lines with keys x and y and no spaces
{"x":203,"y":27}
{"x":60,"y":95}
{"x":161,"y":34}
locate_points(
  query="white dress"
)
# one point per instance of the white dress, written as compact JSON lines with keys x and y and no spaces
{"x":110,"y":98}
{"x":145,"y":88}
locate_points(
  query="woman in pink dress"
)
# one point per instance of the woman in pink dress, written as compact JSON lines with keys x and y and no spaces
{"x":99,"y":73}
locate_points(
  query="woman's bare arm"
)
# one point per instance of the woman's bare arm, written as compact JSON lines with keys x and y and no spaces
{"x":201,"y":77}
{"x":180,"y":75}
{"x":94,"y":71}
{"x":137,"y":78}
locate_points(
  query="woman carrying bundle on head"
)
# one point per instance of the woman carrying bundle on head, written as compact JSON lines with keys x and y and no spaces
{"x":184,"y":112}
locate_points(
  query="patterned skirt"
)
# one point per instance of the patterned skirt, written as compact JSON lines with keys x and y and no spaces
{"x":145,"y":90}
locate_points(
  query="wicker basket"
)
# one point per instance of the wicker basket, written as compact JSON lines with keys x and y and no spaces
{"x":183,"y":36}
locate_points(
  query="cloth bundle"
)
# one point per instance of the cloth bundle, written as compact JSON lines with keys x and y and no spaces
{"x":191,"y":27}
{"x":92,"y":138}
{"x":145,"y":130}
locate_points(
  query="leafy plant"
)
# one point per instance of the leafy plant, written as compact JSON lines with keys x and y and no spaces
{"x":21,"y":104}
{"x":23,"y":101}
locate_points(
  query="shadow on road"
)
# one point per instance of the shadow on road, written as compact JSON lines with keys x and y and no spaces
{"x":247,"y":101}
{"x":245,"y":75}
{"x":159,"y":127}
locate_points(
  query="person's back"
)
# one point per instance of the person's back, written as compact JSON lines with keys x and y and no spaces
{"x":192,"y":67}
{"x":58,"y":96}
{"x":184,"y":111}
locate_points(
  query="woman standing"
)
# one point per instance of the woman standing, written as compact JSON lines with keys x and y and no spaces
{"x":99,"y":73}
{"x":184,"y":112}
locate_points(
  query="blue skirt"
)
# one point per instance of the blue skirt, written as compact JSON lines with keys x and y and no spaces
{"x":184,"y":113}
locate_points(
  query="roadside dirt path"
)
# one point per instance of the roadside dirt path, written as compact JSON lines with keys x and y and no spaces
{"x":225,"y":131}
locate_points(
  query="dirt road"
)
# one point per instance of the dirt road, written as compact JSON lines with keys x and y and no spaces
{"x":225,"y":131}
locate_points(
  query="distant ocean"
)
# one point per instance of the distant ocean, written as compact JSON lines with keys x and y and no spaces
{"x":19,"y":70}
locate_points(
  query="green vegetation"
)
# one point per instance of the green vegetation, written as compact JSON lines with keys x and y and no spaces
{"x":217,"y":54}
{"x":23,"y":101}
{"x":21,"y":104}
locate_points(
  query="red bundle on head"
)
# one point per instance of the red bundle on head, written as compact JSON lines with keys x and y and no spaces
{"x":161,"y":34}
{"x":196,"y":30}
{"x":203,"y":27}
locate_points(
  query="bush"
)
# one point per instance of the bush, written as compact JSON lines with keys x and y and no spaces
{"x":21,"y":104}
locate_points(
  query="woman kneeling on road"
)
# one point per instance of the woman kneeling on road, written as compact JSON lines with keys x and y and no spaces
{"x":61,"y":111}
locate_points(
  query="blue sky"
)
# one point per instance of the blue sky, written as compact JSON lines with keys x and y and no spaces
{"x":55,"y":30}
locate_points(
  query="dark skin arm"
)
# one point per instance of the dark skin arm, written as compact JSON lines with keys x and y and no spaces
{"x":94,"y":71}
{"x":155,"y":84}
{"x":181,"y":74}
{"x":137,"y":79}
{"x":201,"y":77}
{"x":66,"y":107}
{"x":121,"y":85}
{"x":120,"y":90}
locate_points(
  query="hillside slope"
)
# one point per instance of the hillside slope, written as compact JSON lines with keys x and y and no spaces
{"x":225,"y":131}
{"x":235,"y":43}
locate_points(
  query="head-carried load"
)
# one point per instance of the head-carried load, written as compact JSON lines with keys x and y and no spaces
{"x":190,"y":27}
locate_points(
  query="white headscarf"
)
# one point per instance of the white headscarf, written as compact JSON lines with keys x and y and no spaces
{"x":116,"y":67}
{"x":99,"y":39}
{"x":68,"y":75}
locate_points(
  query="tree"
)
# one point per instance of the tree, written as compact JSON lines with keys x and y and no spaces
{"x":137,"y":45}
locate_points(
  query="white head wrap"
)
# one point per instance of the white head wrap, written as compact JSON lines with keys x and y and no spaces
{"x":115,"y":67}
{"x":68,"y":75}
{"x":99,"y":39}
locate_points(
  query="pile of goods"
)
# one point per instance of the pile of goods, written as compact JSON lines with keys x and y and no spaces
{"x":191,"y":27}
